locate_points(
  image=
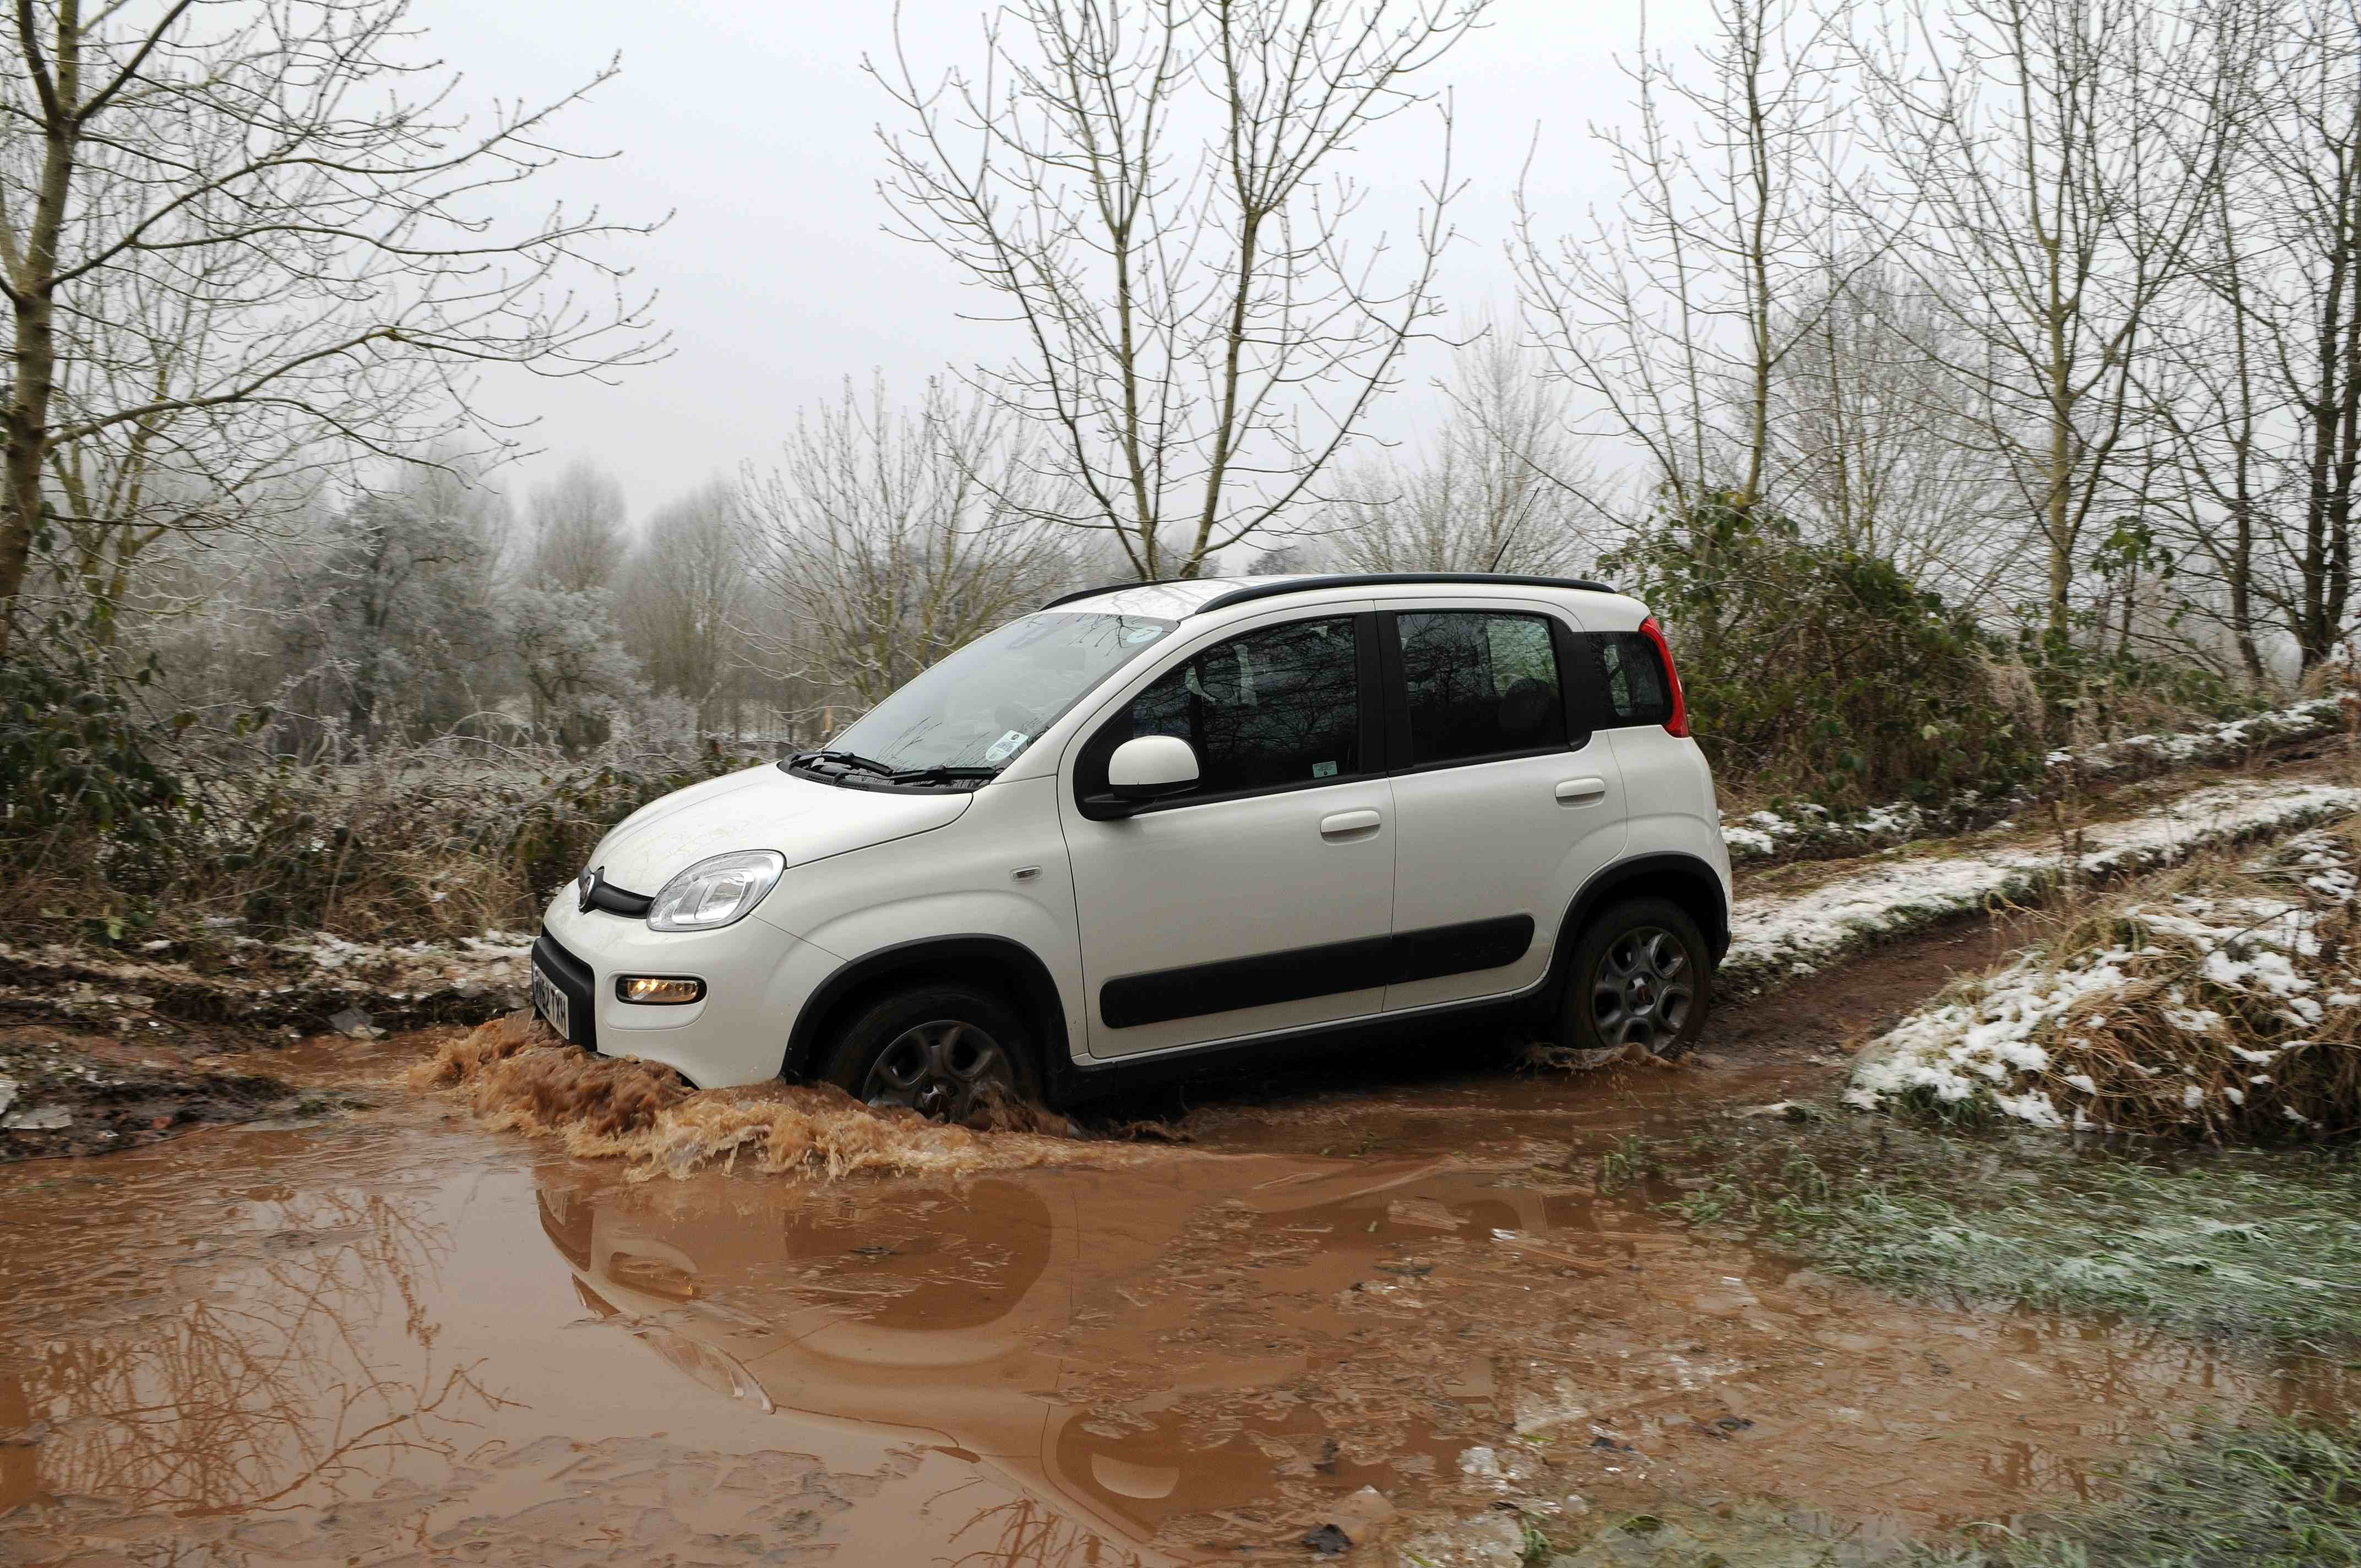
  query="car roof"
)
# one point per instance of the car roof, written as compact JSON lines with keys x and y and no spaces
{"x":1177,"y":600}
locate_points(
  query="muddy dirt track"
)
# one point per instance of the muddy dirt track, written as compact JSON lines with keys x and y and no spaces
{"x":393,"y":1337}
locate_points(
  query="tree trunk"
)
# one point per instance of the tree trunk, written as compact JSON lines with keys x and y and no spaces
{"x":2062,"y":478}
{"x":35,"y":350}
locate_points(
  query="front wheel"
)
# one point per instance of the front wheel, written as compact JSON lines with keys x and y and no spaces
{"x":1639,"y":977}
{"x":950,"y":1052}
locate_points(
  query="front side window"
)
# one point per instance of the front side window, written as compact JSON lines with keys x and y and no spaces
{"x":983,"y":705}
{"x":1479,"y":684}
{"x":1269,"y":710}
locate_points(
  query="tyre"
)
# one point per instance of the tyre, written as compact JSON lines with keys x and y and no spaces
{"x":1639,"y":977}
{"x":943,"y":1050}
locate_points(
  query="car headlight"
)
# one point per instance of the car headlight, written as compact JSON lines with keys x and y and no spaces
{"x":714,"y":893}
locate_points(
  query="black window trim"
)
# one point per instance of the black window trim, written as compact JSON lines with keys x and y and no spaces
{"x":1579,"y":731}
{"x":1090,"y":766}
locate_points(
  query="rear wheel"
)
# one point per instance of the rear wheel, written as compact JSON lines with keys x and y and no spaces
{"x":945,"y":1051}
{"x":1639,"y":977}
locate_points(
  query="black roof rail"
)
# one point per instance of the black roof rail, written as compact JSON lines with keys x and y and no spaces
{"x":1373,"y":579}
{"x":1111,"y":588}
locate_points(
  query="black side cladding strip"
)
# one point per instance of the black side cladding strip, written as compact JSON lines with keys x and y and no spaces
{"x":1301,"y":974}
{"x":1258,"y":981}
{"x":1459,"y":949}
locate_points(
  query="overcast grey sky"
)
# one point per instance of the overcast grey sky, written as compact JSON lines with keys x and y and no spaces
{"x":755,"y":125}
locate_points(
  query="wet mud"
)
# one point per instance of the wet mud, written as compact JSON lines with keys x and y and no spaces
{"x":65,"y":1094}
{"x":411,"y":1337}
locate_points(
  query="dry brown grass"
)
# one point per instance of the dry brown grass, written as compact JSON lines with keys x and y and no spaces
{"x":2220,"y":1003}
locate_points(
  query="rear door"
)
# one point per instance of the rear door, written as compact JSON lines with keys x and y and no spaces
{"x":1505,"y":804}
{"x":1263,"y":899}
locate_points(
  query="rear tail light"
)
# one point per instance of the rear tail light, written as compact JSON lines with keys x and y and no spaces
{"x":1678,"y":724}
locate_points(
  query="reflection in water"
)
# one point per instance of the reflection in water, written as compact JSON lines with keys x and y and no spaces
{"x":930,"y":1316}
{"x":300,"y":1376}
{"x":1208,"y":1360}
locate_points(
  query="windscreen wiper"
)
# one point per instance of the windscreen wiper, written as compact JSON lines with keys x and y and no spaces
{"x":850,"y":760}
{"x":942,"y":773}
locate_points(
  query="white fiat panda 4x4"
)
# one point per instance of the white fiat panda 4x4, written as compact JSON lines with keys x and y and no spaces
{"x":1151,"y":825}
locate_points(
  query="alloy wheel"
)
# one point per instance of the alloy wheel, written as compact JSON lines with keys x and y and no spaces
{"x":1644,"y":991}
{"x":946,"y":1070}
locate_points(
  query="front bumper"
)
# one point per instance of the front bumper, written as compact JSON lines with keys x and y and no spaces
{"x":575,"y":977}
{"x":757,"y":978}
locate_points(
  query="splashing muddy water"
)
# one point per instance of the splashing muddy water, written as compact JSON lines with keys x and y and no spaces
{"x":406,"y":1340}
{"x":520,"y":1077}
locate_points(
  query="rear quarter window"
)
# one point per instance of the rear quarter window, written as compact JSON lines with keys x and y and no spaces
{"x":1632,"y":689}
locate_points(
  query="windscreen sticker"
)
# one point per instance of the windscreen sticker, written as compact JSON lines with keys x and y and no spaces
{"x":1006,"y":746}
{"x":1324,"y":770}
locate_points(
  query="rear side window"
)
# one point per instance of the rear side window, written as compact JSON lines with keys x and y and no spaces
{"x":1632,"y":680}
{"x":1272,"y":708}
{"x":1479,"y":684}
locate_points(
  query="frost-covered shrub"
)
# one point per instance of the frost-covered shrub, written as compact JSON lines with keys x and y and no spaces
{"x":1821,"y":674}
{"x":2225,"y":1009}
{"x":427,"y":845}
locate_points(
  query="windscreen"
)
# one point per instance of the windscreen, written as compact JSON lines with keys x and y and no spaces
{"x":983,"y":705}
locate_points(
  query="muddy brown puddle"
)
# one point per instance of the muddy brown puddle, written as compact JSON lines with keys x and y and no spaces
{"x":401,"y":1340}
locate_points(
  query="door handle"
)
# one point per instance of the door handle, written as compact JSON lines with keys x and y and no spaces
{"x":1346,"y":824}
{"x":1582,"y":792}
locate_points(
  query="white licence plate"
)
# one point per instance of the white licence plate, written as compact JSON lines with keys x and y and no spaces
{"x":551,"y":1004}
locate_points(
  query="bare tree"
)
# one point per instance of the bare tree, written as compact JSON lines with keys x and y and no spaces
{"x":1503,"y":487}
{"x":1675,"y":318}
{"x":2216,"y":378}
{"x":893,"y":537}
{"x":575,"y":525}
{"x":2298,"y":305}
{"x":233,"y":246}
{"x":2055,"y":163}
{"x":1148,"y":190}
{"x":1884,"y":454}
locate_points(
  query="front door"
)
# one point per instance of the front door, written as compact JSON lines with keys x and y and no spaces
{"x":1504,"y":805}
{"x":1263,"y":898}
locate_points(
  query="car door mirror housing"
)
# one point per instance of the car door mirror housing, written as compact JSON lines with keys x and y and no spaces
{"x":1151,"y":767}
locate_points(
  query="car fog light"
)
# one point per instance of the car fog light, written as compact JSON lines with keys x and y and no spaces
{"x":658,"y":989}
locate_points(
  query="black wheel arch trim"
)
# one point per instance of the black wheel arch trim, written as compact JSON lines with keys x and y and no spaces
{"x":1020,"y":967}
{"x":1697,"y":875}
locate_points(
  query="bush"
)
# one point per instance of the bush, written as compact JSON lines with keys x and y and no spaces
{"x":1819,"y":672}
{"x":79,"y":774}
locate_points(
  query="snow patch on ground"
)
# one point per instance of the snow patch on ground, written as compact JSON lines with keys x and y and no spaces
{"x":1995,"y":1040}
{"x":2211,"y":743}
{"x":1775,"y":936}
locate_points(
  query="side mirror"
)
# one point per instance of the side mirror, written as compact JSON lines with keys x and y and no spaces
{"x":1151,"y":767}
